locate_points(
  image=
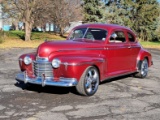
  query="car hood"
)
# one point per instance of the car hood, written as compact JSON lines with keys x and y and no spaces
{"x":46,"y":48}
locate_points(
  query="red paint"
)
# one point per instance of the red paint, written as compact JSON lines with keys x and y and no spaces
{"x":111,"y":59}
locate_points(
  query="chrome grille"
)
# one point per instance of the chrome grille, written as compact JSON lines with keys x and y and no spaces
{"x":43,"y":68}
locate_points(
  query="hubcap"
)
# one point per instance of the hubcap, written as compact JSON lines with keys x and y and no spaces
{"x":91,"y":80}
{"x":144,"y":68}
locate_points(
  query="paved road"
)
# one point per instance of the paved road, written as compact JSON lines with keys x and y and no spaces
{"x":125,"y":98}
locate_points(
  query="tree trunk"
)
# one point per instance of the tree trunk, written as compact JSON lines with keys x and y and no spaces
{"x":61,"y":30}
{"x":50,"y":25}
{"x":16,"y":26}
{"x":44,"y":28}
{"x":28,"y":28}
{"x":55,"y":28}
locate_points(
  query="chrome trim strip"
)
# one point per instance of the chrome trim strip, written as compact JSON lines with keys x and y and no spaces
{"x":117,"y":48}
{"x":122,"y":47}
{"x":81,"y":49}
{"x":76,"y":64}
{"x":48,"y":81}
{"x":103,"y":48}
{"x":41,"y":59}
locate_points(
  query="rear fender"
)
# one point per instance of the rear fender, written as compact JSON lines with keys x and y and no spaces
{"x":141,"y":56}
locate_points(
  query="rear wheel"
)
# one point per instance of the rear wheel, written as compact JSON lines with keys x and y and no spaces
{"x":89,"y":82}
{"x":143,"y":69}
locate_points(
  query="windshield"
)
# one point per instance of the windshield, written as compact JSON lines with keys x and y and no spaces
{"x":89,"y":33}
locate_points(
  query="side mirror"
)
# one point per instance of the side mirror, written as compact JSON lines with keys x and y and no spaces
{"x":114,"y":35}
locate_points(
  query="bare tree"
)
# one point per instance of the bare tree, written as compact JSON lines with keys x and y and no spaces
{"x":65,"y":11}
{"x":25,"y":11}
{"x":39,"y":12}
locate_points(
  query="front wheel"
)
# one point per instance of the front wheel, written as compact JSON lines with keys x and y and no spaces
{"x":143,"y":69}
{"x":89,"y":82}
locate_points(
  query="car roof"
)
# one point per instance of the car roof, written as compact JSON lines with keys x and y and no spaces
{"x":102,"y":25}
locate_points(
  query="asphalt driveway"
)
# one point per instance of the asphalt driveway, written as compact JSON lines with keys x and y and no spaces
{"x":124,"y":98}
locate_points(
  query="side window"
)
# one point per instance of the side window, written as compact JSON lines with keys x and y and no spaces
{"x":118,"y":37}
{"x":131,"y":37}
{"x":89,"y":36}
{"x":96,"y":34}
{"x":78,"y":33}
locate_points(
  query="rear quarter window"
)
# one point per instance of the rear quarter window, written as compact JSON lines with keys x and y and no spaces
{"x":119,"y":39}
{"x":131,"y":38}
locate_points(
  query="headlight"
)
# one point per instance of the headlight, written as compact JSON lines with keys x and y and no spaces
{"x":27,"y":60}
{"x":56,"y":63}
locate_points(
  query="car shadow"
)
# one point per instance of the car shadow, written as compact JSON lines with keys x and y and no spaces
{"x":116,"y":79}
{"x":46,"y":89}
{"x":60,"y":90}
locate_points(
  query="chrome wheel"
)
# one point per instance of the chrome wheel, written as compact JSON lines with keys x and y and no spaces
{"x":144,"y":68}
{"x":91,"y":81}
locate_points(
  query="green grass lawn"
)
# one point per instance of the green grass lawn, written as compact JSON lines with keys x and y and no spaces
{"x":151,"y":44}
{"x":14,"y":39}
{"x":34,"y":35}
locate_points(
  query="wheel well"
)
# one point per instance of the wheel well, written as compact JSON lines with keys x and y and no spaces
{"x":98,"y":71}
{"x":147,"y":60}
{"x":140,"y":61}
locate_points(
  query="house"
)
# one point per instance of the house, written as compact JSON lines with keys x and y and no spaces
{"x":1,"y":21}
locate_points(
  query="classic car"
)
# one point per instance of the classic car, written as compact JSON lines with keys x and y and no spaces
{"x":91,"y":54}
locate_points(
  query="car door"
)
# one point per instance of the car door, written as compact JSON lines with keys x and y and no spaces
{"x":134,"y":49}
{"x":118,"y":54}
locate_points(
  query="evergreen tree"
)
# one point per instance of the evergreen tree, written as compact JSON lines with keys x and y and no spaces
{"x":139,"y":15}
{"x":114,"y":12}
{"x":158,"y":30}
{"x":94,"y":11}
{"x":145,"y":19}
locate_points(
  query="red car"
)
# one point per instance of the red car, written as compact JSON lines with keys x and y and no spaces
{"x":91,"y":54}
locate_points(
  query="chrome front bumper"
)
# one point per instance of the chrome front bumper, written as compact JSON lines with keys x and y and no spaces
{"x":62,"y":82}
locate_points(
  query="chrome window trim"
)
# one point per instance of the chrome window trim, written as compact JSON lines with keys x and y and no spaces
{"x":85,"y":33}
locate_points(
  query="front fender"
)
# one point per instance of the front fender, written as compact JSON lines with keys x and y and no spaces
{"x":73,"y":66}
{"x":23,"y":66}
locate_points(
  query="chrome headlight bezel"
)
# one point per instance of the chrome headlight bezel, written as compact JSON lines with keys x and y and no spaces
{"x":27,"y":60}
{"x":56,"y":63}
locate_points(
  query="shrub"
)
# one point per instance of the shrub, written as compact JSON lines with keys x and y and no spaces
{"x":2,"y":34}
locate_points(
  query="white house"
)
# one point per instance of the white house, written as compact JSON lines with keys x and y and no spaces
{"x":1,"y":21}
